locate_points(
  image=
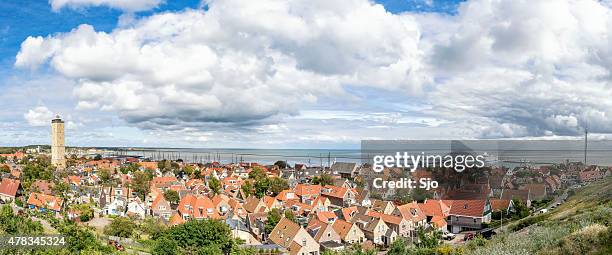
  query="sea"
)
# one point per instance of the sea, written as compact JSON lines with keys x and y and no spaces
{"x":507,"y":153}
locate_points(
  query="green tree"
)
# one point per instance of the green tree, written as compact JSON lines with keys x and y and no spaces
{"x":129,"y":168}
{"x":247,"y":188}
{"x":141,"y":183}
{"x":402,"y":196}
{"x":98,"y":157}
{"x":188,"y":169}
{"x":398,"y":247}
{"x":165,"y":246}
{"x":323,"y":179}
{"x":290,"y":216}
{"x":257,"y":173}
{"x":152,"y":226}
{"x":121,"y":227}
{"x":277,"y":185}
{"x":194,"y":235}
{"x":214,"y":185}
{"x":261,"y":187}
{"x":172,"y":196}
{"x":5,"y":169}
{"x":105,"y":176}
{"x":274,"y":216}
{"x":520,"y":209}
{"x":281,"y":164}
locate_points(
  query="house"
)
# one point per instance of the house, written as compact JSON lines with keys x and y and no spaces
{"x":502,"y":205}
{"x":326,"y":216}
{"x":523,"y":196}
{"x":116,"y":207}
{"x":255,"y":205}
{"x":591,"y":174}
{"x":136,"y":208}
{"x":161,"y":208}
{"x":43,"y":202}
{"x":467,"y":215}
{"x":322,"y":231}
{"x":9,"y":189}
{"x":376,"y":230}
{"x":398,"y":224}
{"x":240,"y":230}
{"x":294,"y":238}
{"x":339,"y":196}
{"x":197,"y":207}
{"x":41,"y":186}
{"x":307,"y":191}
{"x":382,"y":206}
{"x":537,"y":191}
{"x":349,"y":232}
{"x":436,"y":211}
{"x":413,"y":214}
{"x":344,"y":169}
{"x":255,"y":222}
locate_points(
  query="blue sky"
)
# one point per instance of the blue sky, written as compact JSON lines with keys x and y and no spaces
{"x":301,"y":74}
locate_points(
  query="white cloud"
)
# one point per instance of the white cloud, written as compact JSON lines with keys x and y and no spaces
{"x":39,"y":116}
{"x":229,"y":64}
{"x":495,"y":69}
{"x":126,"y":5}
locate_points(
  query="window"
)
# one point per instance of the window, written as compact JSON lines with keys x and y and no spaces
{"x":304,"y":242}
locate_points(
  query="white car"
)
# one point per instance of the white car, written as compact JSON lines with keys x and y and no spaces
{"x":543,"y":210}
{"x":448,"y":236}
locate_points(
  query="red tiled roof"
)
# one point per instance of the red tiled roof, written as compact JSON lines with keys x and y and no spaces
{"x":9,"y":187}
{"x":198,"y":207}
{"x":472,"y":208}
{"x":45,"y":201}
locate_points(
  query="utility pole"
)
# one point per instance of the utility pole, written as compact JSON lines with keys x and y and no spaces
{"x":586,"y":134}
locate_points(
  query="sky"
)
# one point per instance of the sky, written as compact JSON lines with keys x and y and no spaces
{"x":303,"y":73}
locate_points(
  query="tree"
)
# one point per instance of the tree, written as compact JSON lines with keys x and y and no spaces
{"x":152,"y":226}
{"x":60,"y":189}
{"x":165,"y":246}
{"x":261,"y":187}
{"x":131,"y":167}
{"x":214,"y":185}
{"x":188,"y":169}
{"x":402,"y":196}
{"x":257,"y":173}
{"x":324,"y":179}
{"x":5,"y":169}
{"x":81,"y":240}
{"x":520,"y":209}
{"x":121,"y":227}
{"x":274,"y":216}
{"x":247,"y":188}
{"x":290,"y":216}
{"x":197,"y":234}
{"x":98,"y":157}
{"x":105,"y":176}
{"x":428,"y":240}
{"x":141,"y":183}
{"x":172,"y":196}
{"x":398,"y":247}
{"x":277,"y":185}
{"x":281,"y":164}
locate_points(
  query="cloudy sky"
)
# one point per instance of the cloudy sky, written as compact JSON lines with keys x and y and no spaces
{"x":302,"y":73}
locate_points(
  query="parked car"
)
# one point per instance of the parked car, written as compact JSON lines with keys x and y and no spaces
{"x":543,"y":210}
{"x":448,"y":235}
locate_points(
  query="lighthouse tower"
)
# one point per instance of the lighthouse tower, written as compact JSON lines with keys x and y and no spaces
{"x":58,"y":149}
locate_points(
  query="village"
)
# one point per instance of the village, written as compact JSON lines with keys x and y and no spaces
{"x":293,"y":209}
